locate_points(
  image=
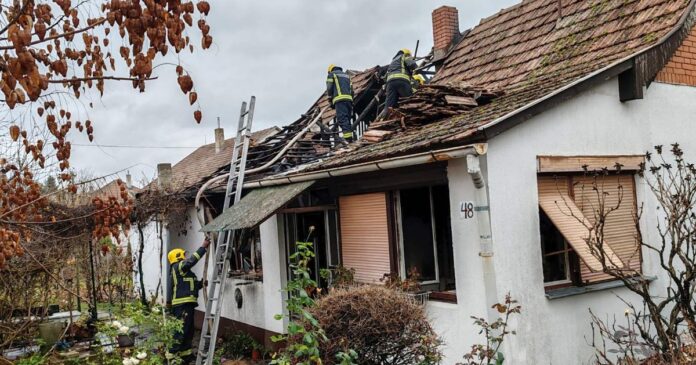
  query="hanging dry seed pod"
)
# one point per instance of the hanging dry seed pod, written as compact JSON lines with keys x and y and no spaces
{"x":42,"y":58}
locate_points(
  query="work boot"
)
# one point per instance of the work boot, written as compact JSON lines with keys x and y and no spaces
{"x":348,"y":137}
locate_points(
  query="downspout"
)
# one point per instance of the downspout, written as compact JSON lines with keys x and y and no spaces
{"x":483,"y":220}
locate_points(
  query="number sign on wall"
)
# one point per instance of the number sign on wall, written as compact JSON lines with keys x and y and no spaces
{"x":466,"y":210}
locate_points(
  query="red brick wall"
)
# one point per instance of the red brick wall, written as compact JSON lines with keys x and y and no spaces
{"x":681,"y":68}
{"x":445,"y":27}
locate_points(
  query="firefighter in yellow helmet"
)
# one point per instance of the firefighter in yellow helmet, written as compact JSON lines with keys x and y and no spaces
{"x":339,"y":89}
{"x":399,"y":76}
{"x":182,"y":296}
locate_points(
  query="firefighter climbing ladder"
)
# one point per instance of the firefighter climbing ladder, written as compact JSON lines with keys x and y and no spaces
{"x":216,"y":287}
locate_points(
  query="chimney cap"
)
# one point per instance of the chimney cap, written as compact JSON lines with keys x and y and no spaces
{"x":447,"y":7}
{"x":164,"y":175}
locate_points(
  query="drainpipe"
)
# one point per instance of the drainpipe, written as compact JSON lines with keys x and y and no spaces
{"x":483,"y":220}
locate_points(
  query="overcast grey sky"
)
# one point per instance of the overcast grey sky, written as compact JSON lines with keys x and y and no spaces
{"x":275,"y":50}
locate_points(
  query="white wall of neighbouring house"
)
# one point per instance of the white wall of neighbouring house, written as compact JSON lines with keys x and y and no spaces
{"x":557,"y":331}
{"x":154,"y":261}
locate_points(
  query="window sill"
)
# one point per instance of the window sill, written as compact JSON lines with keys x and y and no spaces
{"x":445,"y":297}
{"x":578,"y":290}
{"x":247,"y":278}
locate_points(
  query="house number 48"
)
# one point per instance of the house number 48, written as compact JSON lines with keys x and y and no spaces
{"x":466,"y":210}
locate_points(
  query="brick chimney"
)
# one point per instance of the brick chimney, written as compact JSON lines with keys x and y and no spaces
{"x":445,"y":29}
{"x":164,"y":175}
{"x":219,"y":137}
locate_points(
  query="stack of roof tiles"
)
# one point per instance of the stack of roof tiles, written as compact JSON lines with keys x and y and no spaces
{"x":438,"y":101}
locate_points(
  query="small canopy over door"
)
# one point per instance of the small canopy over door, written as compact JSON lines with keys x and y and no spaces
{"x":256,"y":207}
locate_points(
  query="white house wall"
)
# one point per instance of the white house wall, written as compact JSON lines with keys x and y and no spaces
{"x":593,"y":123}
{"x":260,"y":300}
{"x":452,"y":321}
{"x":151,"y":260}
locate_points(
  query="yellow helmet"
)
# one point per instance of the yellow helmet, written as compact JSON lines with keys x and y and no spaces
{"x":176,"y":255}
{"x":406,"y":51}
{"x":331,"y":67}
{"x":419,"y":78}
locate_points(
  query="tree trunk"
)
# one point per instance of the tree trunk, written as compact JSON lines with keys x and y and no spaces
{"x":143,"y":296}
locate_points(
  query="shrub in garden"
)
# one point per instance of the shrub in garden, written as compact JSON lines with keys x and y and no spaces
{"x":382,"y":325}
{"x":237,"y":345}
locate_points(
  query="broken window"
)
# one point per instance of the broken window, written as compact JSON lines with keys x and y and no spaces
{"x":425,"y":237}
{"x":320,"y":228}
{"x":246,"y":259}
{"x":556,"y":253}
{"x":568,"y":206}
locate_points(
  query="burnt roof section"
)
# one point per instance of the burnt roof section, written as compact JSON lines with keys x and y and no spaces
{"x":318,"y":141}
{"x":530,"y":53}
{"x":193,"y":170}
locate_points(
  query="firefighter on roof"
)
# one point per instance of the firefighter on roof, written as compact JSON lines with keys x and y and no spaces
{"x":183,"y":296}
{"x":399,"y":77}
{"x":339,"y":89}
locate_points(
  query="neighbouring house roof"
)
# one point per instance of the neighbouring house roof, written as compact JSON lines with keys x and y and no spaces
{"x":85,"y":197}
{"x":529,"y":53}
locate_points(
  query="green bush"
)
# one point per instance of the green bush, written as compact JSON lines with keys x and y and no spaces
{"x":237,"y":345}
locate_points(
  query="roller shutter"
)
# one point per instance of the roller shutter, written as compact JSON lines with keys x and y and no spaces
{"x":620,"y":229}
{"x":365,"y":236}
{"x":570,"y":220}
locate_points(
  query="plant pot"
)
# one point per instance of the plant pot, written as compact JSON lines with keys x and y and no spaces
{"x":125,"y":341}
{"x":256,"y":355}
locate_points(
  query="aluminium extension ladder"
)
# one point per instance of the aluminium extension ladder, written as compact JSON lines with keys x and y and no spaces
{"x":216,"y":287}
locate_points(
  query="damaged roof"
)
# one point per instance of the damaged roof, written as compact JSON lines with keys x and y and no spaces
{"x":317,"y":141}
{"x":529,"y":52}
{"x":193,"y":170}
{"x":526,"y":58}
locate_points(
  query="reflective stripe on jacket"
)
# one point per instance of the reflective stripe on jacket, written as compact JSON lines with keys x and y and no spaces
{"x":185,"y":284}
{"x":401,"y":67}
{"x":338,"y":86}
